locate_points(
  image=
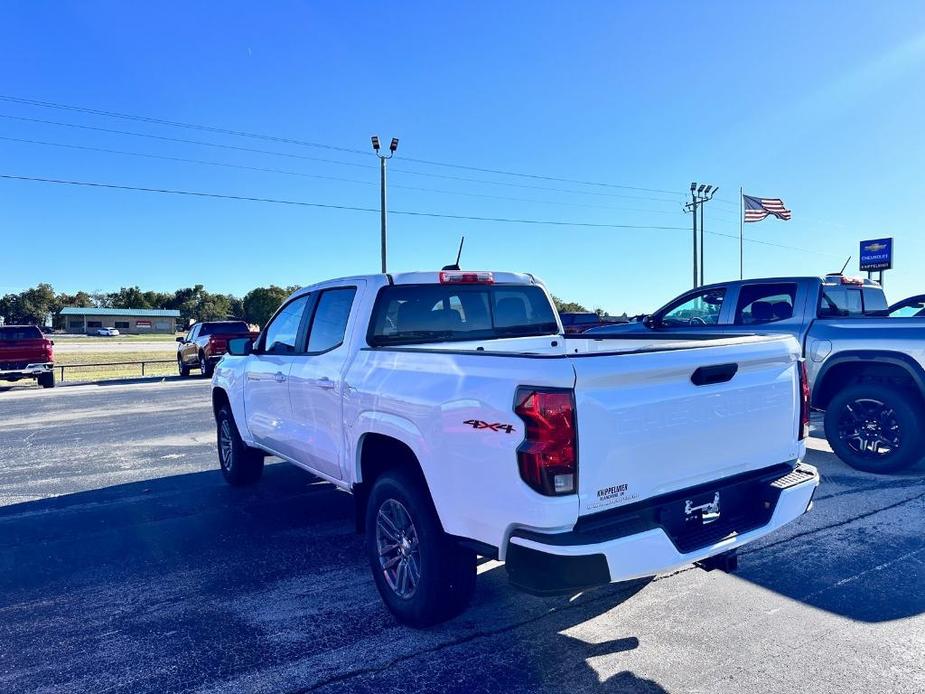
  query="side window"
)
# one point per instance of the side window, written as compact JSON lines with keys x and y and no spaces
{"x":695,"y":310}
{"x":193,"y":333}
{"x":282,"y":333}
{"x":874,"y":299}
{"x":330,"y":321}
{"x":840,"y":301}
{"x":765,"y":303}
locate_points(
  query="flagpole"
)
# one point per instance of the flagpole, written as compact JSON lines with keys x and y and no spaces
{"x":741,"y":230}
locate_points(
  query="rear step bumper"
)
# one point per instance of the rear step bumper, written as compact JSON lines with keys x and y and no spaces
{"x":661,"y":534}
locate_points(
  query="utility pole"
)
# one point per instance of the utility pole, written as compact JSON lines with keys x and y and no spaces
{"x":383,"y":158}
{"x":702,"y":243}
{"x":699,"y":195}
{"x":693,"y":208}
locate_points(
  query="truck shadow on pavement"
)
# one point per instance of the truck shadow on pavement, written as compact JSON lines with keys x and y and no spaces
{"x":183,"y":582}
{"x":858,"y":553}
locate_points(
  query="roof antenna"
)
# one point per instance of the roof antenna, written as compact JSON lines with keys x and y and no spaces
{"x":455,"y":266}
{"x":844,"y":266}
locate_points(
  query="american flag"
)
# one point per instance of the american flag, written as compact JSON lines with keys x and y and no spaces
{"x":757,"y":209}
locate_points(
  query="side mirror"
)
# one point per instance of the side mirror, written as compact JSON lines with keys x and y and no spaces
{"x":181,"y":339}
{"x":240,"y":346}
{"x":651,"y":321}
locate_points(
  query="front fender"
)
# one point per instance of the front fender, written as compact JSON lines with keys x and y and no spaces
{"x":229,"y":378}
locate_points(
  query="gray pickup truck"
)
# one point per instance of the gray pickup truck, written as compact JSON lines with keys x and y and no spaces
{"x":867,"y":372}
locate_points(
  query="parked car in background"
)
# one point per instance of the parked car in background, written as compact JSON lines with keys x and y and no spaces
{"x":464,"y":423}
{"x":26,"y":353}
{"x":913,"y":307}
{"x":206,"y":343}
{"x":866,"y":371}
{"x":577,"y":322}
{"x":107,"y":332}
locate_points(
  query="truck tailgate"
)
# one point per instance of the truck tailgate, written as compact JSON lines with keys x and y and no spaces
{"x":24,"y":351}
{"x":646,"y":428}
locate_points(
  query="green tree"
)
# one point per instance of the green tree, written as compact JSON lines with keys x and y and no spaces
{"x":130,"y":297}
{"x":36,"y":304}
{"x":79,"y":300}
{"x":260,"y":303}
{"x":568,"y":306}
{"x":9,"y":308}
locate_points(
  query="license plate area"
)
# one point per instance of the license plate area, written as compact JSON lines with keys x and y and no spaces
{"x":696,"y":520}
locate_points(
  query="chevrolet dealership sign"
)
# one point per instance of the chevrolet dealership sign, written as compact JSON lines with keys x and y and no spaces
{"x":877,"y":254}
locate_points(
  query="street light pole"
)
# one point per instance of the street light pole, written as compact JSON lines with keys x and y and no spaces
{"x":692,"y":207}
{"x":699,"y":195}
{"x":383,"y":158}
{"x":701,"y":242}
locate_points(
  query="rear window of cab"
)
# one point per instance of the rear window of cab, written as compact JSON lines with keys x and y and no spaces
{"x":11,"y":334}
{"x":415,"y":314}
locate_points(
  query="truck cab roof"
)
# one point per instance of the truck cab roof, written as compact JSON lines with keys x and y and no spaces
{"x":428,"y":277}
{"x":830,"y":280}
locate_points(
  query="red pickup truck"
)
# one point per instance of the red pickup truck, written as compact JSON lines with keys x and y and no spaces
{"x":205,"y":344}
{"x":26,"y":353}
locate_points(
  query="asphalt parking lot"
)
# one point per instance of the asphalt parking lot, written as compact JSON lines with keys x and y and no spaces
{"x":127,"y":565}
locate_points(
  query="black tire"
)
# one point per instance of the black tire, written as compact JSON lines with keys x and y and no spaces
{"x":206,"y":367}
{"x":240,"y":463}
{"x":182,"y":368}
{"x":47,"y":380}
{"x":874,"y":428}
{"x":445,"y":571}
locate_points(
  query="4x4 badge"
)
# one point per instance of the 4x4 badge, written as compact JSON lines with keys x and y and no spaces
{"x":497,"y":426}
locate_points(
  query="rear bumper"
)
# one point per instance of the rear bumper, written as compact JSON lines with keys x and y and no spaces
{"x":645,"y":542}
{"x":27,"y":371}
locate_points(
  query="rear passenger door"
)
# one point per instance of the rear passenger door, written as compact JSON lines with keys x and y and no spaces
{"x":316,"y":385}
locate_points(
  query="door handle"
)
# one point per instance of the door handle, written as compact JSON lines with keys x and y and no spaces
{"x":279,"y":377}
{"x":711,"y":375}
{"x":325,"y":382}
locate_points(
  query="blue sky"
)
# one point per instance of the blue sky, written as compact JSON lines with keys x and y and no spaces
{"x":819,"y":103}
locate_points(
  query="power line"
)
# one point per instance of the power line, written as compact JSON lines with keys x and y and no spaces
{"x":775,"y":245}
{"x":179,"y":124}
{"x":539,"y":177}
{"x":165,"y":138}
{"x":237,"y":148}
{"x":412,"y":213}
{"x":305,"y":143}
{"x":302,"y":203}
{"x":286,"y":172}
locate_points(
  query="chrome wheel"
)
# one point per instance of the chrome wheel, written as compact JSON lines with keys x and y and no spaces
{"x":399,"y":548}
{"x":869,"y":427}
{"x":225,"y":444}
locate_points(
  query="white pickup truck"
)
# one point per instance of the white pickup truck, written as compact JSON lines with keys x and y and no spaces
{"x":465,"y":423}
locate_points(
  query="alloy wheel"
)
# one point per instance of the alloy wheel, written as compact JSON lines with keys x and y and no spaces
{"x":399,"y":548}
{"x":226,"y":448}
{"x":870,"y":428}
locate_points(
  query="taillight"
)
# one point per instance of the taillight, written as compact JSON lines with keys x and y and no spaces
{"x":804,"y":401}
{"x":466,"y":277}
{"x":548,"y":458}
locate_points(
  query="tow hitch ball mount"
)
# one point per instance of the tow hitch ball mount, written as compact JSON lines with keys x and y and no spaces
{"x":727,"y":561}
